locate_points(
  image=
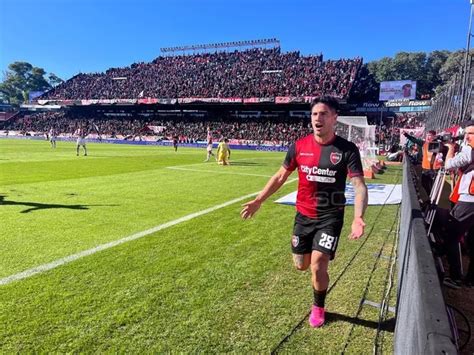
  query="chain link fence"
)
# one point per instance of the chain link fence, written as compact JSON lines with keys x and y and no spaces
{"x":455,"y":103}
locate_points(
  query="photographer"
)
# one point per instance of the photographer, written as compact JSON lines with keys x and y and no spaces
{"x":462,"y":215}
{"x":429,"y":162}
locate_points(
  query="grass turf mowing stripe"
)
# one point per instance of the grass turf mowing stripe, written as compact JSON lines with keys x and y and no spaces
{"x":52,"y":265}
{"x":217,"y":172}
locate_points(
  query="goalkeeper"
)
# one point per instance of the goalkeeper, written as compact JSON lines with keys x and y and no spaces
{"x":223,"y":152}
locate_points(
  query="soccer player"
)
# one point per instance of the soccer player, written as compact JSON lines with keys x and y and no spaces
{"x":209,"y":145}
{"x":81,"y":140}
{"x":175,"y":143}
{"x":223,"y":152}
{"x":209,"y":151}
{"x":323,"y":161}
{"x":52,"y":137}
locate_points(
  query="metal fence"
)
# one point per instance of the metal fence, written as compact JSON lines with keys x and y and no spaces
{"x":455,"y":103}
{"x":422,"y":321}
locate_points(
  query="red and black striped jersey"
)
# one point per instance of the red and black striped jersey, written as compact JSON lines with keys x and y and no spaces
{"x":322,"y":173}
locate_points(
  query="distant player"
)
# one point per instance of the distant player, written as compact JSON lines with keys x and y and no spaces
{"x":81,"y":140}
{"x":175,"y":143}
{"x":52,"y":137}
{"x":223,"y":152}
{"x":209,"y":146}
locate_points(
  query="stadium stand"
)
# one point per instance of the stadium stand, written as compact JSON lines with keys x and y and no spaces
{"x":250,"y":73}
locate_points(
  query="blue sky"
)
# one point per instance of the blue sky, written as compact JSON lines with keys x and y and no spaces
{"x":68,"y":36}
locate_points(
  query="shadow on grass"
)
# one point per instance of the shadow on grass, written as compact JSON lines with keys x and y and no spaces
{"x":35,"y":206}
{"x":387,"y":326}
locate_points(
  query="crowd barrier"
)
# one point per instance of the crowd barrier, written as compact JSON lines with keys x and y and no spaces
{"x":199,"y":144}
{"x":422,"y":325}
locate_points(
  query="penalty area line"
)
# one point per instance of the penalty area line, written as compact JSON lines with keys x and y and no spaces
{"x":68,"y":259}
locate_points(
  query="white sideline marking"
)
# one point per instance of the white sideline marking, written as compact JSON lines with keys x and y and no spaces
{"x":66,"y":260}
{"x":216,"y":171}
{"x":377,"y":305}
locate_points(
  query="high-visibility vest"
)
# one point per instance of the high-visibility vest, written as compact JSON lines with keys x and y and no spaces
{"x":427,"y":157}
{"x":454,"y":197}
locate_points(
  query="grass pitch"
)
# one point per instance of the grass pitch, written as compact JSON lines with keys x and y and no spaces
{"x":213,"y":283}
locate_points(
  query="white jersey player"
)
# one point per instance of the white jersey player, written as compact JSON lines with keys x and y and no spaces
{"x":209,"y":145}
{"x":81,"y":140}
{"x":52,"y":137}
{"x":209,"y":151}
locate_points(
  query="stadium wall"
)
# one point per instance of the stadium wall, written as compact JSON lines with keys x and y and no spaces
{"x":166,"y":143}
{"x":422,"y":325}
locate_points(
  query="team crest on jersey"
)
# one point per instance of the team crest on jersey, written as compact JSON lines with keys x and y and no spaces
{"x":295,"y":240}
{"x":335,"y":157}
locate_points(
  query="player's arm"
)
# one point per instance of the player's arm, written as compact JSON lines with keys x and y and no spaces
{"x":275,"y":182}
{"x":360,"y":205}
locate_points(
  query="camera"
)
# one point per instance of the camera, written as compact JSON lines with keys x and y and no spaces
{"x":438,"y":142}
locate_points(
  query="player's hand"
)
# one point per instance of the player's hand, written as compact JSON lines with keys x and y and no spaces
{"x":250,"y":208}
{"x":357,"y":231}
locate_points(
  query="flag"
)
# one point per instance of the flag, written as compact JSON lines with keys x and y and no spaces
{"x":96,"y":128}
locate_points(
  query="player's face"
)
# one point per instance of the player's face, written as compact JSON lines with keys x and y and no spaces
{"x":429,"y":137}
{"x":323,"y":120}
{"x":469,"y":134}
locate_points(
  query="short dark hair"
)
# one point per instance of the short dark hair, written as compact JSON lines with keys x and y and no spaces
{"x":432,"y":132}
{"x":468,"y":123}
{"x":327,"y":100}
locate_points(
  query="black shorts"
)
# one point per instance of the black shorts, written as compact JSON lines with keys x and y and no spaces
{"x":314,"y":234}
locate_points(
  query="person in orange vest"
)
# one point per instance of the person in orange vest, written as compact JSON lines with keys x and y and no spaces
{"x":430,"y":164}
{"x":462,"y":215}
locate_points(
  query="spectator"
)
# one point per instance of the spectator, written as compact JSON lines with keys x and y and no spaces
{"x":462,"y":215}
{"x":251,"y":73}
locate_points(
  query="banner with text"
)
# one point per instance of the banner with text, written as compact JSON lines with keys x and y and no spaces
{"x":379,"y":194}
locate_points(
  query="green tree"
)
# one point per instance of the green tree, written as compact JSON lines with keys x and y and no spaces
{"x":452,"y":66}
{"x":425,"y":69}
{"x":451,"y":69}
{"x":21,"y":78}
{"x":435,"y":62}
{"x":382,"y":70}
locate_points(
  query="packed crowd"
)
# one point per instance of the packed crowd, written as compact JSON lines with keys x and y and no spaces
{"x":388,"y":133}
{"x":192,"y":129}
{"x":189,"y":130}
{"x":251,"y":73}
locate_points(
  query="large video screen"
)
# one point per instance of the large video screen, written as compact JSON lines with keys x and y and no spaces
{"x":397,"y":90}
